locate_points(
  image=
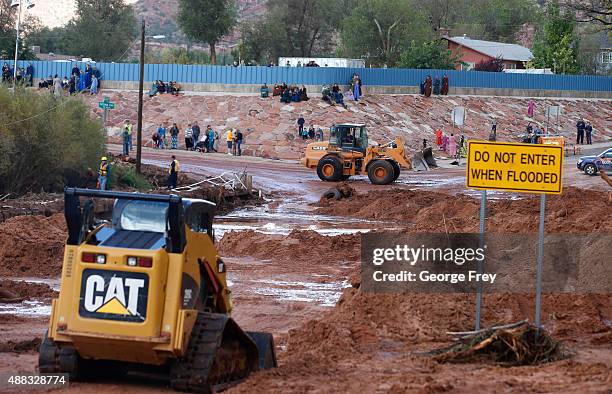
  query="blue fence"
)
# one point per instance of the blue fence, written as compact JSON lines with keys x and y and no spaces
{"x":324,"y":75}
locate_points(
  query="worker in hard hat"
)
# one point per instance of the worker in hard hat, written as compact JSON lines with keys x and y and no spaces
{"x":103,"y":174}
{"x":174,"y":169}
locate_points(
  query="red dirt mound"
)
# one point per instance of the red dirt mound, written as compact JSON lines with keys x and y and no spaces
{"x":374,"y":342}
{"x":32,"y":246}
{"x":573,"y":211}
{"x":297,"y":246}
{"x":16,"y":291}
{"x":20,"y":346}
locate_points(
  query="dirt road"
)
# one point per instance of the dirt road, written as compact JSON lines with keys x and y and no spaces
{"x":300,"y":262}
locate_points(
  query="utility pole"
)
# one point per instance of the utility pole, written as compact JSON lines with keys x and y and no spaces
{"x":17,"y":45}
{"x":140,"y":93}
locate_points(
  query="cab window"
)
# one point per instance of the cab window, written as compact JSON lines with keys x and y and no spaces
{"x":200,"y":221}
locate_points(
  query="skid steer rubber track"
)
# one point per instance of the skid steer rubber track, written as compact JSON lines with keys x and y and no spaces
{"x":52,"y":359}
{"x":219,"y":355}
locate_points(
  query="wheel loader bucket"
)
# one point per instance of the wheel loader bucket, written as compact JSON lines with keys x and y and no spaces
{"x":429,"y":157}
{"x":423,"y":160}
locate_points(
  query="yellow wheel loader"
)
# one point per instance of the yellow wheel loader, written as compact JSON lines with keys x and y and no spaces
{"x":147,"y":291}
{"x":347,"y":153}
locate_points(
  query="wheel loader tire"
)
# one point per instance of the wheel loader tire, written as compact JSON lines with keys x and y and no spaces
{"x":329,"y":169}
{"x":265,"y":347}
{"x":396,"y":169}
{"x":333,"y":193}
{"x":381,"y":172}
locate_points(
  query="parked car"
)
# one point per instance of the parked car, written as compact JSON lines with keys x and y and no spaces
{"x":591,"y":165}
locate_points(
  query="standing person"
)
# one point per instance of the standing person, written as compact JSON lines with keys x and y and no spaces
{"x":128,"y":126}
{"x":95,"y":72}
{"x":57,"y":86}
{"x":161,"y":132}
{"x":428,"y":84}
{"x":445,"y":143}
{"x":444,"y":90}
{"x":436,"y":86}
{"x":357,"y":89}
{"x":439,"y":137}
{"x":126,"y":141}
{"x":211,"y":139}
{"x":174,"y":132}
{"x":580,"y":126}
{"x":531,"y":108}
{"x":319,"y":134}
{"x":173,"y":177}
{"x":300,"y":123}
{"x":188,"y":137}
{"x":589,"y":131}
{"x":229,"y":137}
{"x":94,"y":84}
{"x":239,"y":138}
{"x":75,"y":70}
{"x":311,"y":132}
{"x":196,"y":134}
{"x":216,"y":142}
{"x":103,"y":173}
{"x":30,"y":75}
{"x":452,"y":146}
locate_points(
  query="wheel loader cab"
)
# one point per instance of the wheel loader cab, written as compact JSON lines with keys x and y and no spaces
{"x":350,"y":137}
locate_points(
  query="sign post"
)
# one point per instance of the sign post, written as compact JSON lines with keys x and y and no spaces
{"x":525,"y":168}
{"x":106,"y":105}
{"x":480,"y":269}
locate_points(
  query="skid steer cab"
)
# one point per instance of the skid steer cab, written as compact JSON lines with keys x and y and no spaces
{"x":347,"y":153}
{"x":147,"y":290}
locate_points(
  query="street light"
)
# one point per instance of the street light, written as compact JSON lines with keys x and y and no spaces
{"x":141,"y":92}
{"x":18,"y":3}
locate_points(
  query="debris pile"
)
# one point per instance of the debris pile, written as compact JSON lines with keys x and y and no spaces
{"x":515,"y":344}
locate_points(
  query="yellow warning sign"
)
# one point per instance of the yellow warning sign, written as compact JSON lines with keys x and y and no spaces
{"x":529,"y":168}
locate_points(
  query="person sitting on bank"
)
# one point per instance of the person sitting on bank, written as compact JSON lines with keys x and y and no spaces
{"x":303,"y":94}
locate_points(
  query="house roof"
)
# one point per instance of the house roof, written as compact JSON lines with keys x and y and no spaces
{"x":495,"y":49}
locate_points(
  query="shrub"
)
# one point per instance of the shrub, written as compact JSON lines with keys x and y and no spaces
{"x":122,"y":175}
{"x":45,"y":142}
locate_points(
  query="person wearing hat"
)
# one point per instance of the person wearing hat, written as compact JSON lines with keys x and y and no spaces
{"x":174,"y":169}
{"x":103,"y":174}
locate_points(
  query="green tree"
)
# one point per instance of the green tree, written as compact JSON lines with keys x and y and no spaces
{"x":8,"y":19}
{"x":207,"y":21}
{"x":177,"y":56}
{"x":380,"y":30}
{"x":45,"y":141}
{"x":429,"y":55}
{"x":101,"y":30}
{"x":555,"y":45}
{"x":301,"y":28}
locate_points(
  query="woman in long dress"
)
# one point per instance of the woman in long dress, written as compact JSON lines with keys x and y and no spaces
{"x":452,"y":146}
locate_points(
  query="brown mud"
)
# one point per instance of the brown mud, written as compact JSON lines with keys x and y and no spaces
{"x":573,"y":211}
{"x":32,"y":246}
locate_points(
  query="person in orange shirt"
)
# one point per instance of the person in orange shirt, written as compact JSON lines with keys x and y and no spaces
{"x":439,"y":137}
